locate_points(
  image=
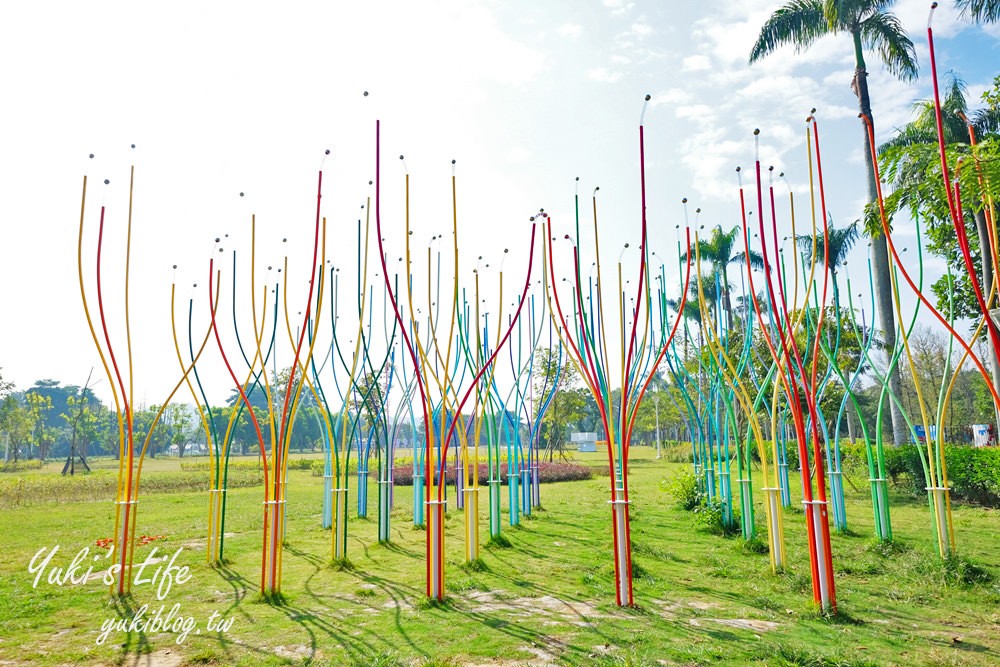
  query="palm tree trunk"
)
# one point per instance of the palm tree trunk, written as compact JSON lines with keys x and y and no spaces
{"x":987,"y":257}
{"x":880,"y":264}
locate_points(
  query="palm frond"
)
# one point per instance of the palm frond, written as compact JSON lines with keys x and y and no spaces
{"x":982,"y":11}
{"x":986,"y":121}
{"x":756,"y":260}
{"x":883,"y":32}
{"x":800,"y":23}
{"x":835,"y":247}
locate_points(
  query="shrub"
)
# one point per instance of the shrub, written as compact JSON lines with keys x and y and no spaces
{"x":547,"y":472}
{"x":683,"y":488}
{"x":973,"y":472}
{"x":709,"y":514}
{"x":678,"y":452}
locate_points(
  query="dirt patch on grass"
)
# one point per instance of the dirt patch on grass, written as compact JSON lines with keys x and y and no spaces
{"x":752,"y":624}
{"x":546,"y":606}
{"x":164,"y":658}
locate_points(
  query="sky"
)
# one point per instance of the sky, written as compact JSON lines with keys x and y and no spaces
{"x":225,"y":98}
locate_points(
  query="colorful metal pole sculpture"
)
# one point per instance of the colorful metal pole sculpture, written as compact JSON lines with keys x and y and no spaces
{"x":798,"y":384}
{"x":218,"y":447}
{"x":435,"y":464}
{"x":733,"y":374}
{"x":587,"y":341}
{"x":874,"y":453}
{"x":546,"y":392}
{"x":129,"y":461}
{"x":935,"y":469}
{"x":467,"y":479}
{"x":280,"y":422}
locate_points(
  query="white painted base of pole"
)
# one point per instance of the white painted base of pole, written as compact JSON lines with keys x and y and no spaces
{"x":435,"y":554}
{"x":815,"y":512}
{"x":623,"y":553}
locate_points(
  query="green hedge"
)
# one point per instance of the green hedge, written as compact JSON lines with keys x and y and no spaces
{"x":973,"y":472}
{"x":243,"y":464}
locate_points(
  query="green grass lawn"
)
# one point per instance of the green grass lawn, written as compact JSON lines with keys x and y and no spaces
{"x":548,"y":598}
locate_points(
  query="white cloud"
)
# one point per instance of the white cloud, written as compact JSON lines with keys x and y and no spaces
{"x":518,"y":154}
{"x":604,"y":75}
{"x":670,"y":96}
{"x":699,"y":112}
{"x":570,"y":30}
{"x":619,"y":7}
{"x":641,"y":30}
{"x":696,"y":63}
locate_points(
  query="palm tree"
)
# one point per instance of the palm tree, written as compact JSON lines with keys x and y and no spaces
{"x":982,"y":11}
{"x":871,"y":27}
{"x":718,"y":251}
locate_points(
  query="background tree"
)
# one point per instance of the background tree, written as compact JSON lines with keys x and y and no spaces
{"x":39,"y":409}
{"x":18,"y":426}
{"x":983,"y":11}
{"x":913,"y":164}
{"x":835,"y":246}
{"x":717,"y":251}
{"x":568,"y":406}
{"x":873,"y":28}
{"x":81,"y":426}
